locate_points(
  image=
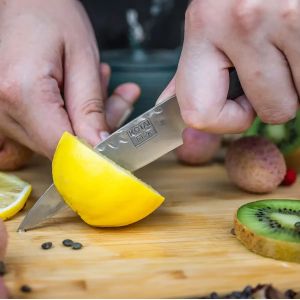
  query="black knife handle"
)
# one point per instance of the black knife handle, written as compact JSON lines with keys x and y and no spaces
{"x":235,"y":88}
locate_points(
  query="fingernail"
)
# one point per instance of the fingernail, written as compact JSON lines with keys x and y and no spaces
{"x":125,"y":116}
{"x":103,"y":135}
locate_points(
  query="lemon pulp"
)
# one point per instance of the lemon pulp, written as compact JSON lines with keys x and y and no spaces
{"x":13,"y":195}
{"x":101,"y":192}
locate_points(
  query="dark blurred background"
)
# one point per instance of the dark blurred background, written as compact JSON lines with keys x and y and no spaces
{"x":141,"y":40}
{"x":162,"y":21}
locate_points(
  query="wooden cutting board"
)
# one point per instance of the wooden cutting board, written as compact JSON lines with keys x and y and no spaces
{"x":183,"y":249}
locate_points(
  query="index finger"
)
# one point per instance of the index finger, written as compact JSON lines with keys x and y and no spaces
{"x":202,"y":82}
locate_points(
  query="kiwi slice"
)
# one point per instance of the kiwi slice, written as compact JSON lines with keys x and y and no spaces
{"x":270,"y":228}
{"x":285,"y":136}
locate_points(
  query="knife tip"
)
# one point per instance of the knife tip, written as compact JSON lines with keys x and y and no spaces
{"x":21,"y":229}
{"x":24,"y":226}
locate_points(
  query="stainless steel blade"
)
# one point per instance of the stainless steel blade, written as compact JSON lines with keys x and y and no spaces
{"x":141,"y":141}
{"x":146,"y":138}
{"x":46,"y":206}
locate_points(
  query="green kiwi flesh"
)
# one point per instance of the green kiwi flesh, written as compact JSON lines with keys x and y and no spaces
{"x":270,"y":228}
{"x":273,"y":219}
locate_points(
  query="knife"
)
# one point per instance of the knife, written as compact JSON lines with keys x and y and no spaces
{"x":136,"y":144}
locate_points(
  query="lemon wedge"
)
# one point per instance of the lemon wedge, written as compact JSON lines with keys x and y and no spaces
{"x":13,"y":195}
{"x":101,"y":192}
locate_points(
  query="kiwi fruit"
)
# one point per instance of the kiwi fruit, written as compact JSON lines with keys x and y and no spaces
{"x":285,"y":136}
{"x":255,"y":164}
{"x":270,"y":228}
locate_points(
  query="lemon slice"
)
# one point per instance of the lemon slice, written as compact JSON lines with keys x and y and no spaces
{"x":13,"y":195}
{"x":101,"y":192}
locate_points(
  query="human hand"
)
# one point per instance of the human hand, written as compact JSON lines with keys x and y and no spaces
{"x":261,"y":40}
{"x":51,"y":80}
{"x":118,"y":106}
{"x":13,"y":155}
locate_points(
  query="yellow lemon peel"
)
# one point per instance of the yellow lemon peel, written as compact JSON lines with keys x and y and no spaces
{"x":100,"y":191}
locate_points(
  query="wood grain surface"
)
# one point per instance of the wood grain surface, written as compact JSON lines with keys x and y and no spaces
{"x":183,"y":249}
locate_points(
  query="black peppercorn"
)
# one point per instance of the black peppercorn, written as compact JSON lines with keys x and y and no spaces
{"x":25,"y":288}
{"x":76,"y":246}
{"x":68,"y":243}
{"x":214,"y":295}
{"x":46,"y":245}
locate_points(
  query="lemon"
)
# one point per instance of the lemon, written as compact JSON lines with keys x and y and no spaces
{"x":101,"y":192}
{"x":13,"y":195}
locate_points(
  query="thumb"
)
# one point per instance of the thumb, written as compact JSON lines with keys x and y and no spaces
{"x":84,"y":95}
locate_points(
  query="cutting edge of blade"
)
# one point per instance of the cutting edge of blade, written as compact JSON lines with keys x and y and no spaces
{"x":28,"y":222}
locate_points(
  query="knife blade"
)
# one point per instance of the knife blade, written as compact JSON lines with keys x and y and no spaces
{"x":138,"y":143}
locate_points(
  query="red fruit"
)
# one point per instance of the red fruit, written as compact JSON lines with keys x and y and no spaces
{"x":290,"y":177}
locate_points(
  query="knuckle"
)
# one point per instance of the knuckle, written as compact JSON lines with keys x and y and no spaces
{"x":257,"y":78}
{"x":94,"y":105}
{"x":197,"y":120}
{"x":247,"y":14}
{"x":257,"y":74}
{"x":271,"y":116}
{"x":290,"y":15}
{"x":10,"y":91}
{"x":47,"y":89}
